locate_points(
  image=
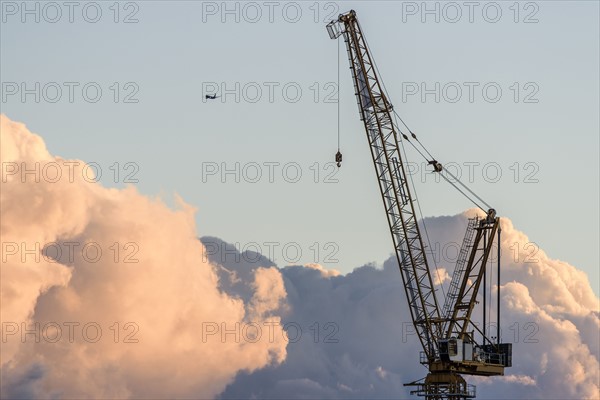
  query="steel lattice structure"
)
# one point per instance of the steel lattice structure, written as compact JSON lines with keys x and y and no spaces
{"x":449,"y":349}
{"x":382,"y":134}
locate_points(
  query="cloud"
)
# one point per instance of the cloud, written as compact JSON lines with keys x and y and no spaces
{"x":563,"y":362}
{"x":187,"y":318}
{"x":324,"y":272}
{"x":369,"y":348}
{"x":124,"y":318}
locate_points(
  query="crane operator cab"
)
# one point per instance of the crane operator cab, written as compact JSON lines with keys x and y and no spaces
{"x":459,"y":351}
{"x":455,"y":350}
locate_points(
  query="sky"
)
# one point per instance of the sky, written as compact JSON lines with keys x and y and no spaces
{"x":527,"y":144}
{"x":254,"y":168}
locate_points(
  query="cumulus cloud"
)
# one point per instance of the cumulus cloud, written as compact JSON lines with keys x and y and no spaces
{"x":196,"y":319}
{"x":440,"y":276}
{"x":324,"y":272}
{"x":550,"y":314}
{"x":138,"y":313}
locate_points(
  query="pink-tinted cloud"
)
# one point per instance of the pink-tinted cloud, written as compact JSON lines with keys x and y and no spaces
{"x":150,"y":293}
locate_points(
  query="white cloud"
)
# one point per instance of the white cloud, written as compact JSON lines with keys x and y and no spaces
{"x":353,"y":337}
{"x":324,"y":271}
{"x":440,"y":276}
{"x":549,"y":313}
{"x":156,"y":309}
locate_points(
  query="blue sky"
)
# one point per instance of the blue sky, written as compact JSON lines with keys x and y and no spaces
{"x":543,"y":142}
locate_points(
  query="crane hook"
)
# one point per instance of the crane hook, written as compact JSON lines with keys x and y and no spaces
{"x":338,"y":158}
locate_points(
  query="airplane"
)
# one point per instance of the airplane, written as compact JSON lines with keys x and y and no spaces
{"x":211,"y":96}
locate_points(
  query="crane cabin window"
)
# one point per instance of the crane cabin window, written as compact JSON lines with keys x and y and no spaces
{"x":452,"y":347}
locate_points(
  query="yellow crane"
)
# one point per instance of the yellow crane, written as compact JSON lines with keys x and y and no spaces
{"x":453,"y":345}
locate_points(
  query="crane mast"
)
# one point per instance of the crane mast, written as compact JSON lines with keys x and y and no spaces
{"x":449,"y":347}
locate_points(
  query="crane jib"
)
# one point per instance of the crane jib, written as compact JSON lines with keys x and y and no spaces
{"x":376,"y":114}
{"x":449,"y":346}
